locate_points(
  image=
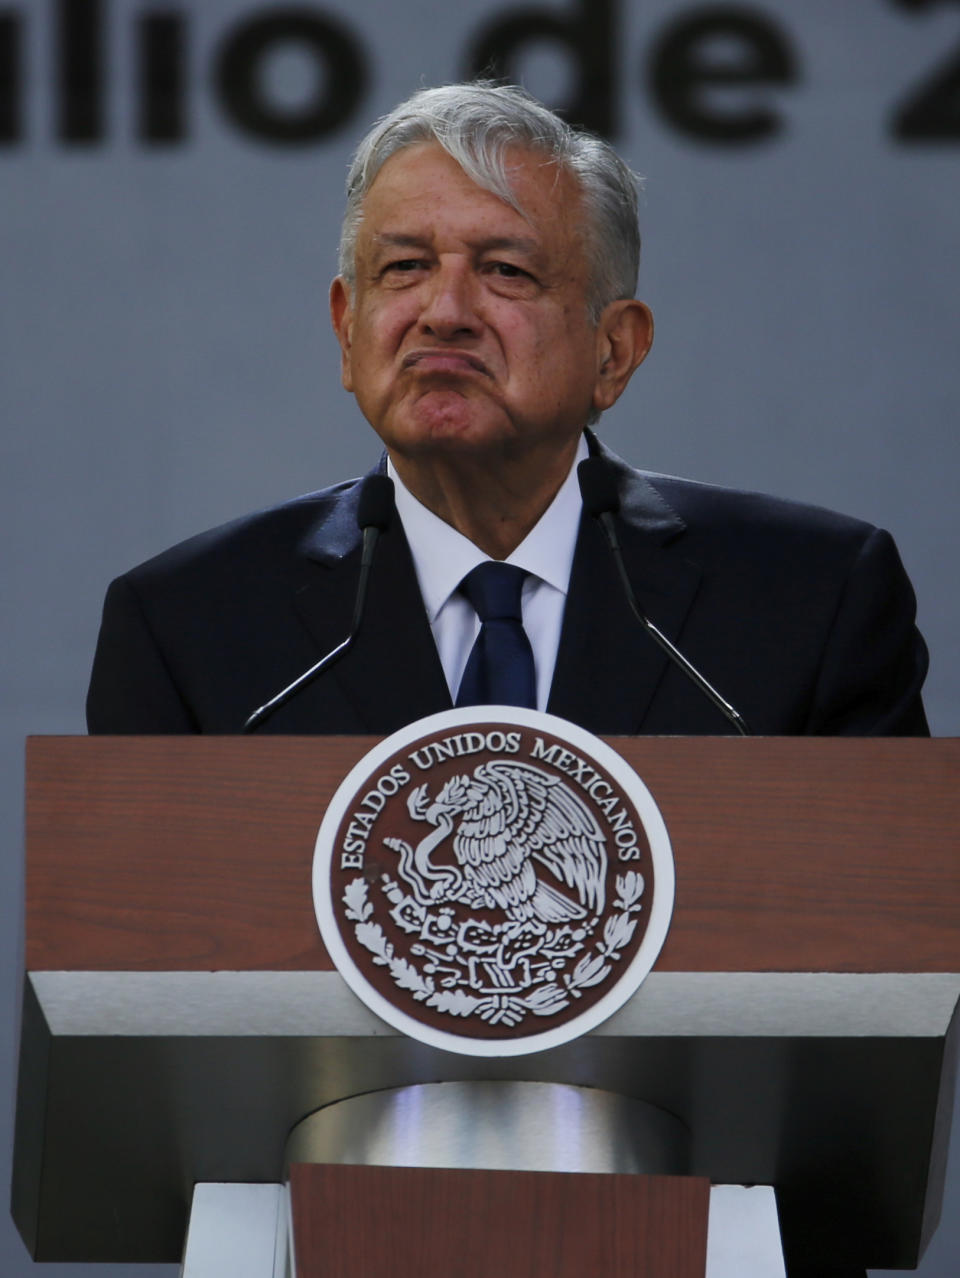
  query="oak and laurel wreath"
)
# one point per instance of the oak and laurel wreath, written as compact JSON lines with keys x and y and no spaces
{"x":508,"y":1009}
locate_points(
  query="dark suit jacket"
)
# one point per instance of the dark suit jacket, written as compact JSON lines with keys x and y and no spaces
{"x":802,"y":618}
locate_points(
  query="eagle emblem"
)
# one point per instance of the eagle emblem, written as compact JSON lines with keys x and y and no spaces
{"x":492,"y":880}
{"x":502,"y":898}
{"x":520,"y":836}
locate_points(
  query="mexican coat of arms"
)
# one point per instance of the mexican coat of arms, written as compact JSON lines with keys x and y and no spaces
{"x":487,"y":887}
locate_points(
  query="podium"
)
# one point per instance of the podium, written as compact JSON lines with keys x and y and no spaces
{"x":181,"y":1016}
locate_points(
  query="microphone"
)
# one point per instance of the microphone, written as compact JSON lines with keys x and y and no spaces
{"x":598,"y":488}
{"x":374,"y":513}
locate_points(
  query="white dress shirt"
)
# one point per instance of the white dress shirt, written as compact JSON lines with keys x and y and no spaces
{"x":442,"y":558}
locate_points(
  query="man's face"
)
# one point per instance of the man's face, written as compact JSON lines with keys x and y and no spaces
{"x":468,"y":327}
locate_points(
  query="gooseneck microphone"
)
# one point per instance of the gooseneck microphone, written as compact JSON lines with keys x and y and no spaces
{"x":374,"y":513}
{"x":598,"y":488}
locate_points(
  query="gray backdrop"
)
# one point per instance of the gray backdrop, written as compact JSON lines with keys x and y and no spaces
{"x":165,"y":359}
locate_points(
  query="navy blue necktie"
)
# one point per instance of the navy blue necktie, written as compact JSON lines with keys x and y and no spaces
{"x":500,"y":668}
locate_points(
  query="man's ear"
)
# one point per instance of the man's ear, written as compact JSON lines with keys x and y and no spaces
{"x":624,"y":336}
{"x":341,"y":316}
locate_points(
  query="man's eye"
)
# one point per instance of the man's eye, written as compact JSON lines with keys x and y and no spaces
{"x":507,"y":269}
{"x":404,"y":264}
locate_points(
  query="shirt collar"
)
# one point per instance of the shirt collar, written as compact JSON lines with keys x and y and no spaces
{"x":442,"y":556}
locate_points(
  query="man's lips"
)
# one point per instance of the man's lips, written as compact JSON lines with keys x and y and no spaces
{"x":439,"y":361}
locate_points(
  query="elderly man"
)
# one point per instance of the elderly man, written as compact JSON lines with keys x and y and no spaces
{"x":485,"y":313}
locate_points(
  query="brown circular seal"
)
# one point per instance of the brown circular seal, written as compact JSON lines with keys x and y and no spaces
{"x":493,"y":880}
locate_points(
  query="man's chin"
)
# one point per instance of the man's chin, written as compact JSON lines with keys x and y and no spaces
{"x":454,"y":424}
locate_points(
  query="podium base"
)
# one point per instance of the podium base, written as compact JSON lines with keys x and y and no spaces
{"x":242,"y":1231}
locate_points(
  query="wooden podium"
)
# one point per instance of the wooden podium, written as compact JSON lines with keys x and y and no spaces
{"x":181,"y":1015}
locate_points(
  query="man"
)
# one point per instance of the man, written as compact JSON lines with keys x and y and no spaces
{"x":485,"y":312}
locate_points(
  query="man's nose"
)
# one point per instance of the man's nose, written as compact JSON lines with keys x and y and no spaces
{"x":449,"y":308}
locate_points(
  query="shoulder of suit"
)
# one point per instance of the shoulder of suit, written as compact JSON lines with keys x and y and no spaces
{"x":713,"y":507}
{"x":263,"y":535}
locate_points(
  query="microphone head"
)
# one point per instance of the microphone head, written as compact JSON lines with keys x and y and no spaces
{"x":375,"y":508}
{"x":598,"y":487}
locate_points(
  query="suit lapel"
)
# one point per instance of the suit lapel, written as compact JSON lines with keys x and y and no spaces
{"x":608,"y":669}
{"x":392,"y":673}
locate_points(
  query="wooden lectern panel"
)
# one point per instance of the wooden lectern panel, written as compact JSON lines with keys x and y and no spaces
{"x":792,"y":854}
{"x":416,"y":1222}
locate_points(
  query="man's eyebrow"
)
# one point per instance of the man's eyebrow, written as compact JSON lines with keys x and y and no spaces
{"x":397,"y":239}
{"x":515,"y":243}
